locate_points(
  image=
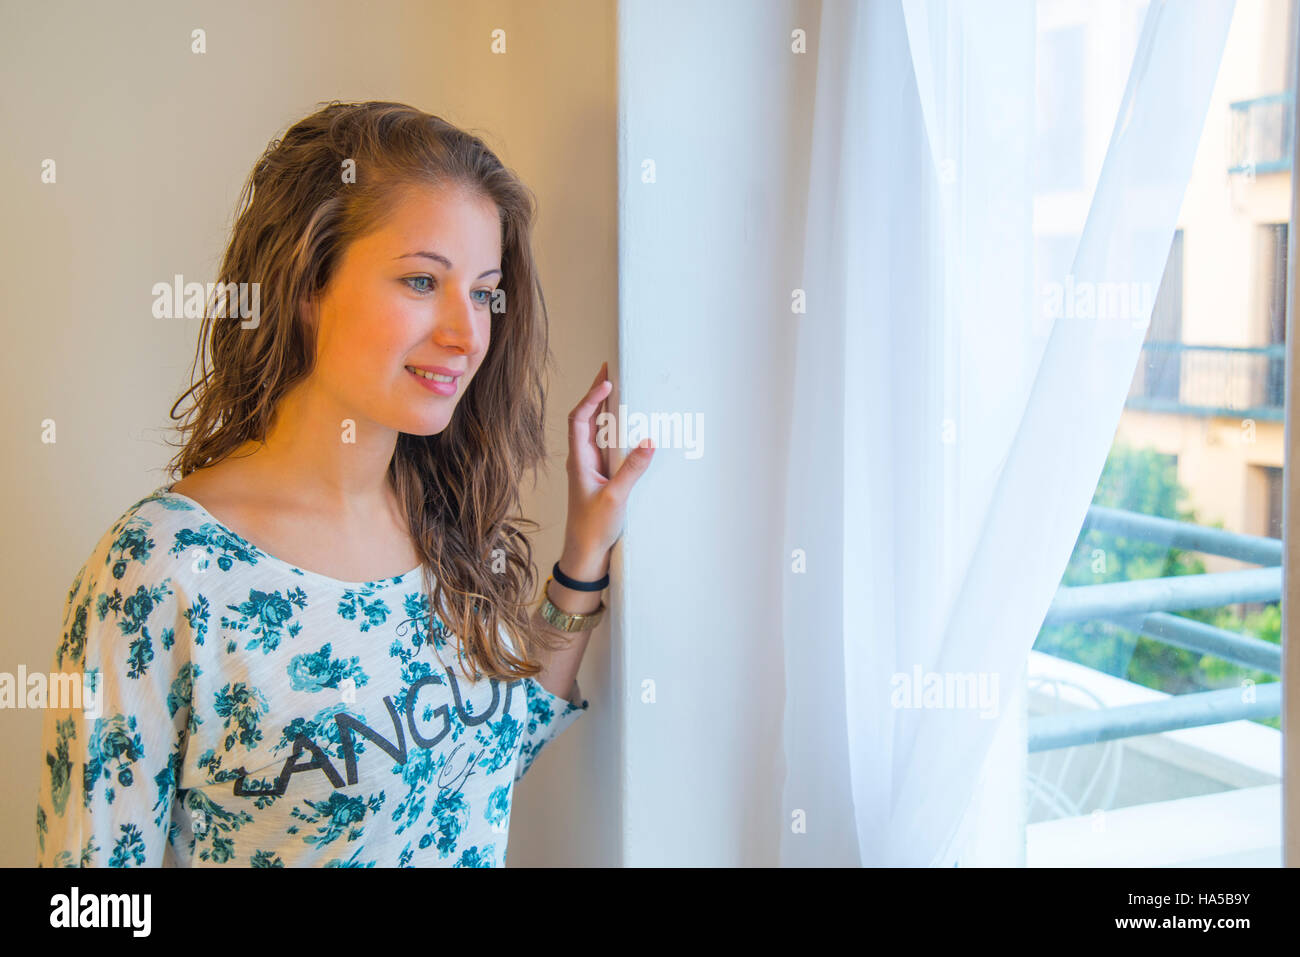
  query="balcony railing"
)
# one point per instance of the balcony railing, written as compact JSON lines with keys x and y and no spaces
{"x":1238,"y":381}
{"x":1262,"y":131}
{"x":1142,"y":607}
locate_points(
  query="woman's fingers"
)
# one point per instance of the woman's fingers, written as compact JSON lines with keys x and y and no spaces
{"x":602,"y":453}
{"x":582,"y":424}
{"x":633,"y":467}
{"x":582,"y":418}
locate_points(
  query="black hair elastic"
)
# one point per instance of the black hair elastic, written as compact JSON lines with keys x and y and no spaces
{"x":576,"y":585}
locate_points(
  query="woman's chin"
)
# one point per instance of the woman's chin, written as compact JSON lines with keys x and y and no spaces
{"x":424,"y":426}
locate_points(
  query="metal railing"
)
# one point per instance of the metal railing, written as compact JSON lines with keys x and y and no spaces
{"x":1261,"y":136}
{"x":1142,"y":607}
{"x":1236,"y":381}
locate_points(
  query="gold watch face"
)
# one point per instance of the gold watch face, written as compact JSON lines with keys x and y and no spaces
{"x":566,"y":621}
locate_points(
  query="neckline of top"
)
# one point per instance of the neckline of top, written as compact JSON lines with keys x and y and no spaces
{"x":374,"y":585}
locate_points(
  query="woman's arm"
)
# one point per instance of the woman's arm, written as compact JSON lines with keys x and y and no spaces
{"x":593,"y":525}
{"x":559,"y":673}
{"x":111,"y":761}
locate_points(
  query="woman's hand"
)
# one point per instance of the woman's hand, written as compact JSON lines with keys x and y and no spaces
{"x":596,"y":501}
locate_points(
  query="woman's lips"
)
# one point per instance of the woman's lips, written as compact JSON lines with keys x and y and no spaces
{"x":433,"y":385}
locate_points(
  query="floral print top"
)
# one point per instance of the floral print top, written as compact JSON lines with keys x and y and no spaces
{"x":241,"y":711}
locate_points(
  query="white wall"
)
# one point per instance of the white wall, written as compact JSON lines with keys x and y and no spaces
{"x":152,"y":144}
{"x":709,"y":254}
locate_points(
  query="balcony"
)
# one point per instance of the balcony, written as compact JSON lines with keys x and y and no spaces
{"x":1236,"y":381}
{"x":1125,"y":775}
{"x":1261,"y":138}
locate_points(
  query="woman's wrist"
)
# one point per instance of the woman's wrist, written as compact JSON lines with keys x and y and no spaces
{"x":584,"y":565}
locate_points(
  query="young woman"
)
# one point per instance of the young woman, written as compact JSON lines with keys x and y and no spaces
{"x":266,"y":674}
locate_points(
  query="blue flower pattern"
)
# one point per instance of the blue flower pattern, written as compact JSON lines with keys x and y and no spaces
{"x":254,"y":714}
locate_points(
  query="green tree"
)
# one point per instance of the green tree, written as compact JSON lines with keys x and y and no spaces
{"x":1145,"y":481}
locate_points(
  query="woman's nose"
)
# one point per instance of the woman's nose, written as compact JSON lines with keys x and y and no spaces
{"x":455,"y":326}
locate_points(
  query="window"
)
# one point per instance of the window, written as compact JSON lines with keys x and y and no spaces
{"x":1198,"y":453}
{"x":1272,"y":294}
{"x":1060,"y":109}
{"x":1161,"y":366}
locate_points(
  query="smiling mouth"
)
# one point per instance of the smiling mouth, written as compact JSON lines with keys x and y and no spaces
{"x":438,"y":383}
{"x":431,"y":375}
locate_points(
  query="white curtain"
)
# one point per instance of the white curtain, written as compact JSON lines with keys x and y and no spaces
{"x":948,"y":427}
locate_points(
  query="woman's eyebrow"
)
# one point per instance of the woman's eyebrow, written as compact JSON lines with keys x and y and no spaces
{"x":437,"y":257}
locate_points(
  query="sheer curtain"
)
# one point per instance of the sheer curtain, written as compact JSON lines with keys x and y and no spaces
{"x":956,"y":390}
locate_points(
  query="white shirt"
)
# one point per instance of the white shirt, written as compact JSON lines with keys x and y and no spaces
{"x":250,"y":712}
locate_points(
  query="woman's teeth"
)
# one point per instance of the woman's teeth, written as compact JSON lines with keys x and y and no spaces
{"x":431,"y":375}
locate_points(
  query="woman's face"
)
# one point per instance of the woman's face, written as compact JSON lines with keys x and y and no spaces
{"x":414,"y":294}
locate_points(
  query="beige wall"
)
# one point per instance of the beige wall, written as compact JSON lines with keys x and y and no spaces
{"x":1216,"y":459}
{"x":1223,"y":300}
{"x":1220,"y":213}
{"x":152,"y":143}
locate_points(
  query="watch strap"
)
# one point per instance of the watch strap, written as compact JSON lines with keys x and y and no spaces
{"x":568,"y":621}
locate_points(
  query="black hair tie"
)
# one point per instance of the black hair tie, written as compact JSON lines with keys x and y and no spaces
{"x":576,"y":585}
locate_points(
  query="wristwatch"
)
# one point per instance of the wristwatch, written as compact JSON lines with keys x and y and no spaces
{"x":564,"y":621}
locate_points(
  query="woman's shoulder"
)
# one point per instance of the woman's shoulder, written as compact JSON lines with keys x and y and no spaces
{"x":159,"y":538}
{"x":132,"y":582}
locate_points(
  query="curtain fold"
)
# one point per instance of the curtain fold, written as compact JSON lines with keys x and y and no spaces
{"x":949,"y":421}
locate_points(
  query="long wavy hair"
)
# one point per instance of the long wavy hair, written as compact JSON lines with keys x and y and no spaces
{"x":459,"y":489}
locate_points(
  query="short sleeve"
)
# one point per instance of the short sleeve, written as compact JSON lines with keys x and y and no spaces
{"x":112,"y":748}
{"x":548,"y":715}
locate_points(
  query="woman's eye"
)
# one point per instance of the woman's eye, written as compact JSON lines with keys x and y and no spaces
{"x":425,"y":284}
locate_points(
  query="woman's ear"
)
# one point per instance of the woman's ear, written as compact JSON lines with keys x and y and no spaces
{"x":309,"y":310}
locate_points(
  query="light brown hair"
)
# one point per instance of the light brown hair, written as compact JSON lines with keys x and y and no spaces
{"x":459,"y":489}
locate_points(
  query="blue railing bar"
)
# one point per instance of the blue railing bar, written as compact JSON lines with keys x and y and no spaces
{"x":1199,"y":709}
{"x":1256,"y":549}
{"x":1260,"y":101}
{"x":1177,"y":593}
{"x":1276,"y":349}
{"x":1245,"y":650}
{"x":1146,"y":404}
{"x":1268,"y":166}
